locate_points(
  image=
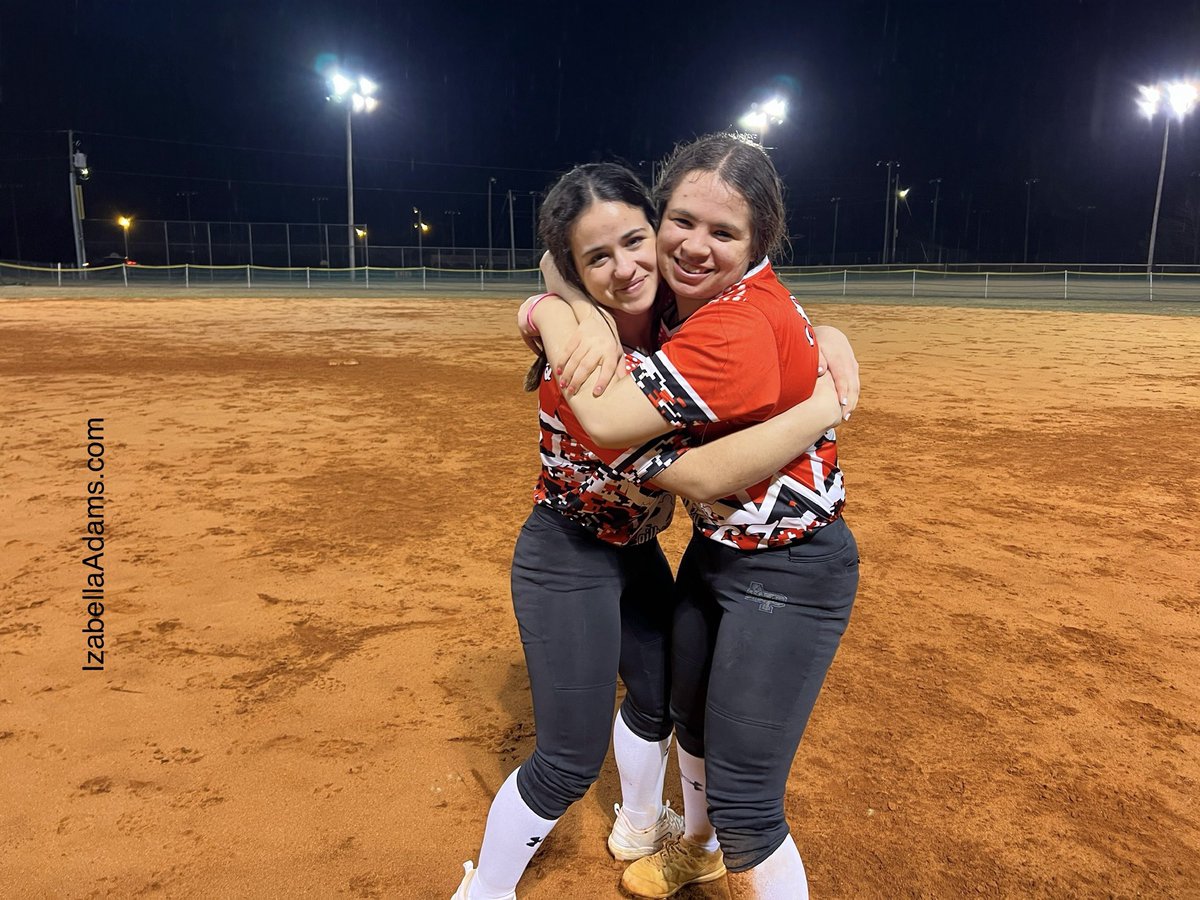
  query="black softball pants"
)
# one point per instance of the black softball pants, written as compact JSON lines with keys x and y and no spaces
{"x":754,"y":635}
{"x":587,"y":610}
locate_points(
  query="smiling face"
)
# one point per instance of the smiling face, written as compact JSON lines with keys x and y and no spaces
{"x":612,"y":246}
{"x":705,"y":237}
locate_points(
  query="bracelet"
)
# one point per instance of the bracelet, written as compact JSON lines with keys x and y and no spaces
{"x":533,"y":306}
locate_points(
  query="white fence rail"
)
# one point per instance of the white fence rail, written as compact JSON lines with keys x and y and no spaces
{"x":827,"y":283}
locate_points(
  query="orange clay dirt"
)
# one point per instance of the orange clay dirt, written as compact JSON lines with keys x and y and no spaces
{"x":313,"y":681}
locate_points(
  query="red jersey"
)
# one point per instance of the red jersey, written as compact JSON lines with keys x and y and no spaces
{"x":742,"y":358}
{"x":604,"y":490}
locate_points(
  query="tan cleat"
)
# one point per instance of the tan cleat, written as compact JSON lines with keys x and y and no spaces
{"x":672,"y":868}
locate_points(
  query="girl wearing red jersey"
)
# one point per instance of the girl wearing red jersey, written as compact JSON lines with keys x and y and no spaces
{"x":591,"y":588}
{"x":767,"y":583}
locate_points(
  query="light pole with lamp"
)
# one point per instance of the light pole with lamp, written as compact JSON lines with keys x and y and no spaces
{"x":899,"y":195}
{"x":356,"y":94}
{"x":125,"y":222}
{"x":421,"y":228}
{"x":361,"y":234}
{"x":1181,"y":96}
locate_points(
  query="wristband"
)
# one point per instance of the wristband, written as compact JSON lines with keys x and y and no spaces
{"x":533,"y":306}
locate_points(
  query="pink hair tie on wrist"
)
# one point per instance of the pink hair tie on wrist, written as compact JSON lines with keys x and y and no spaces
{"x":533,"y":306}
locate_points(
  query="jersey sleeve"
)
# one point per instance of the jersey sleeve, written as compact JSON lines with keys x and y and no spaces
{"x":722,"y":364}
{"x":637,"y":465}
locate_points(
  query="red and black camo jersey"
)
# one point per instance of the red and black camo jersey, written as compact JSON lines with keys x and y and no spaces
{"x":605,"y":491}
{"x":745,"y":356}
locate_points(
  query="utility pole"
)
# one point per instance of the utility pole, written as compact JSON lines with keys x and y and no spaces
{"x":1086,"y":210}
{"x":937,"y":192}
{"x":491,"y":181}
{"x":887,"y":202}
{"x":533,"y":195}
{"x":512,"y":234}
{"x":321,"y":228}
{"x":1029,"y":183}
{"x":452,"y":214}
{"x":836,"y":201}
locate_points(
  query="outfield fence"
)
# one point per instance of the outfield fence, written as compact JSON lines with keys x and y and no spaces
{"x":861,"y":283}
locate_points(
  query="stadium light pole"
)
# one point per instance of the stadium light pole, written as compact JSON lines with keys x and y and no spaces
{"x":452,"y":214}
{"x":1182,"y":97}
{"x":421,"y":228}
{"x":1029,"y":183}
{"x":357,"y":94}
{"x":887,"y":203}
{"x":125,"y":222}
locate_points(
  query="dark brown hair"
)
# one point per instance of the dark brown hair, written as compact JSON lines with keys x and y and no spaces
{"x":570,"y":197}
{"x":746,"y":168}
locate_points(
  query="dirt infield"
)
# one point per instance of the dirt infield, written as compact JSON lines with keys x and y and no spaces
{"x":313,"y":681}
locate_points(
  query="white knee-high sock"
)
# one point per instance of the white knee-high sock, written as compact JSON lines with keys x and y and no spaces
{"x":781,"y":875}
{"x":697,"y":828}
{"x":642,"y":765}
{"x":513,"y":834}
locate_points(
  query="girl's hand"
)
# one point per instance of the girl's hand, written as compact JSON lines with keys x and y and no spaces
{"x":837,"y":358}
{"x":826,"y":394}
{"x":594,"y":345}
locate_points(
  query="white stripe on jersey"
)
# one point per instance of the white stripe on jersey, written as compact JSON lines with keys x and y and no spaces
{"x":661,"y":358}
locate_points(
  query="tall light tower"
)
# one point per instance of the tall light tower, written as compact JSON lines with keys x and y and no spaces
{"x":1181,"y":97}
{"x":357,"y":94}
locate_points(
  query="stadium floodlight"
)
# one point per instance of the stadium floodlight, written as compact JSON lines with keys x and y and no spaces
{"x":761,"y":116}
{"x":1181,"y":97}
{"x":356,"y":94}
{"x":125,"y":222}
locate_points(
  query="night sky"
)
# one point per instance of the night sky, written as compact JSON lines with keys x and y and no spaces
{"x":216,"y":110}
